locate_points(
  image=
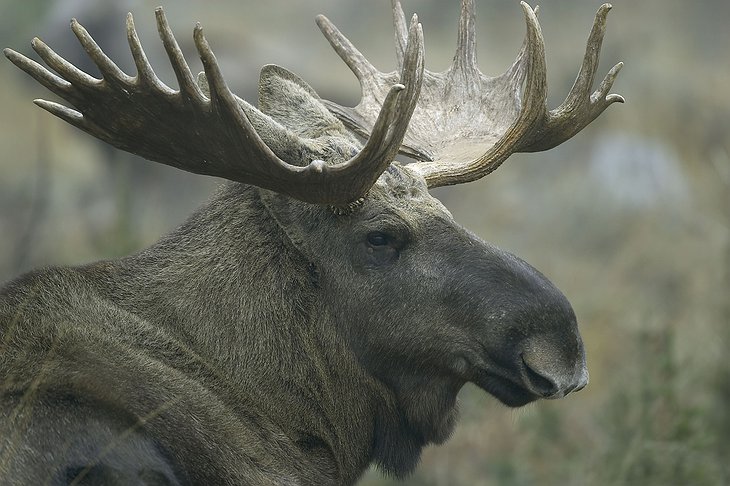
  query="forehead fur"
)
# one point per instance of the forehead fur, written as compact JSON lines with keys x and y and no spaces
{"x":399,"y":184}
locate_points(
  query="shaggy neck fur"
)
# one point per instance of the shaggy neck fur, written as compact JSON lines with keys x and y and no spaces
{"x":233,"y":257}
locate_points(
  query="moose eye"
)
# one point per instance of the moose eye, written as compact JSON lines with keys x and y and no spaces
{"x":377,"y":239}
{"x":380,"y":250}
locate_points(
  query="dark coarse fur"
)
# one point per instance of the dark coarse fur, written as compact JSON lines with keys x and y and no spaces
{"x":269,"y":341}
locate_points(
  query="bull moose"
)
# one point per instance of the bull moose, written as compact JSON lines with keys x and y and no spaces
{"x":322,"y":311}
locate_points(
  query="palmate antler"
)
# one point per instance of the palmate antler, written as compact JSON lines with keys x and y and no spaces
{"x":215,"y":133}
{"x":465,"y":123}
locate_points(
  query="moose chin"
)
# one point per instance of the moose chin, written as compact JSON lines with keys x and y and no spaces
{"x":322,"y":311}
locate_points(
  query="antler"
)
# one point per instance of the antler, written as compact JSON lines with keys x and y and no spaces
{"x":214,"y":133}
{"x":466,"y":124}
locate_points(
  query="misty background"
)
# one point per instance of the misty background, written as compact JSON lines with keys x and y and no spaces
{"x":631,"y":218}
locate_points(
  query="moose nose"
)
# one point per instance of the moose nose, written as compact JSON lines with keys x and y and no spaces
{"x":552,"y":385}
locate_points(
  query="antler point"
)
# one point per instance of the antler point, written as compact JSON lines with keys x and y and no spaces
{"x":602,"y":13}
{"x":77,"y":28}
{"x":529,"y":11}
{"x":160,"y":15}
{"x":615,"y":98}
{"x":322,"y":21}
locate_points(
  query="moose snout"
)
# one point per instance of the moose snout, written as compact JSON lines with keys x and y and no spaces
{"x":552,"y":377}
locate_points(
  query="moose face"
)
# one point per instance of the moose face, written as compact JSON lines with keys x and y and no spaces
{"x":427,"y":306}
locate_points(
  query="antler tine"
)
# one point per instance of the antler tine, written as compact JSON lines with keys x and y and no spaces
{"x":64,"y":68}
{"x":587,"y":73}
{"x":47,"y":79}
{"x":411,"y":76}
{"x":517,"y":71}
{"x":601,"y":94}
{"x":465,"y":59}
{"x":401,"y":32}
{"x":535,"y":91}
{"x":185,"y":80}
{"x":108,"y":69}
{"x":358,"y":64}
{"x":65,"y":113}
{"x":145,"y":74}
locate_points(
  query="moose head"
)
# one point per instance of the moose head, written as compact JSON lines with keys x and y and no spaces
{"x":325,"y":276}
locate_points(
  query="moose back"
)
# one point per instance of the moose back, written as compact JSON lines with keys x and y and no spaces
{"x":322,"y":311}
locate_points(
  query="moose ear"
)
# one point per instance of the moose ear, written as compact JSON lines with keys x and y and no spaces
{"x":288,"y":99}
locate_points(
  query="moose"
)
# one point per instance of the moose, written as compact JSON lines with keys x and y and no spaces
{"x":322,"y":311}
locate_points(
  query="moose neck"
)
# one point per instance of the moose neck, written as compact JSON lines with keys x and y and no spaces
{"x":229,"y":285}
{"x":415,"y":408}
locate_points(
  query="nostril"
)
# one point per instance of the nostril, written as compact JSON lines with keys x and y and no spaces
{"x":537,"y":382}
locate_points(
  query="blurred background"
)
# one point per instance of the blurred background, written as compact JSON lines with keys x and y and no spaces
{"x":631,"y":219}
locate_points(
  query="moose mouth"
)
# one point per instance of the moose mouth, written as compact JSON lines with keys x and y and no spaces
{"x":503,"y":389}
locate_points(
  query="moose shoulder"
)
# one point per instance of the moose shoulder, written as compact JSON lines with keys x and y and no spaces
{"x":322,"y":311}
